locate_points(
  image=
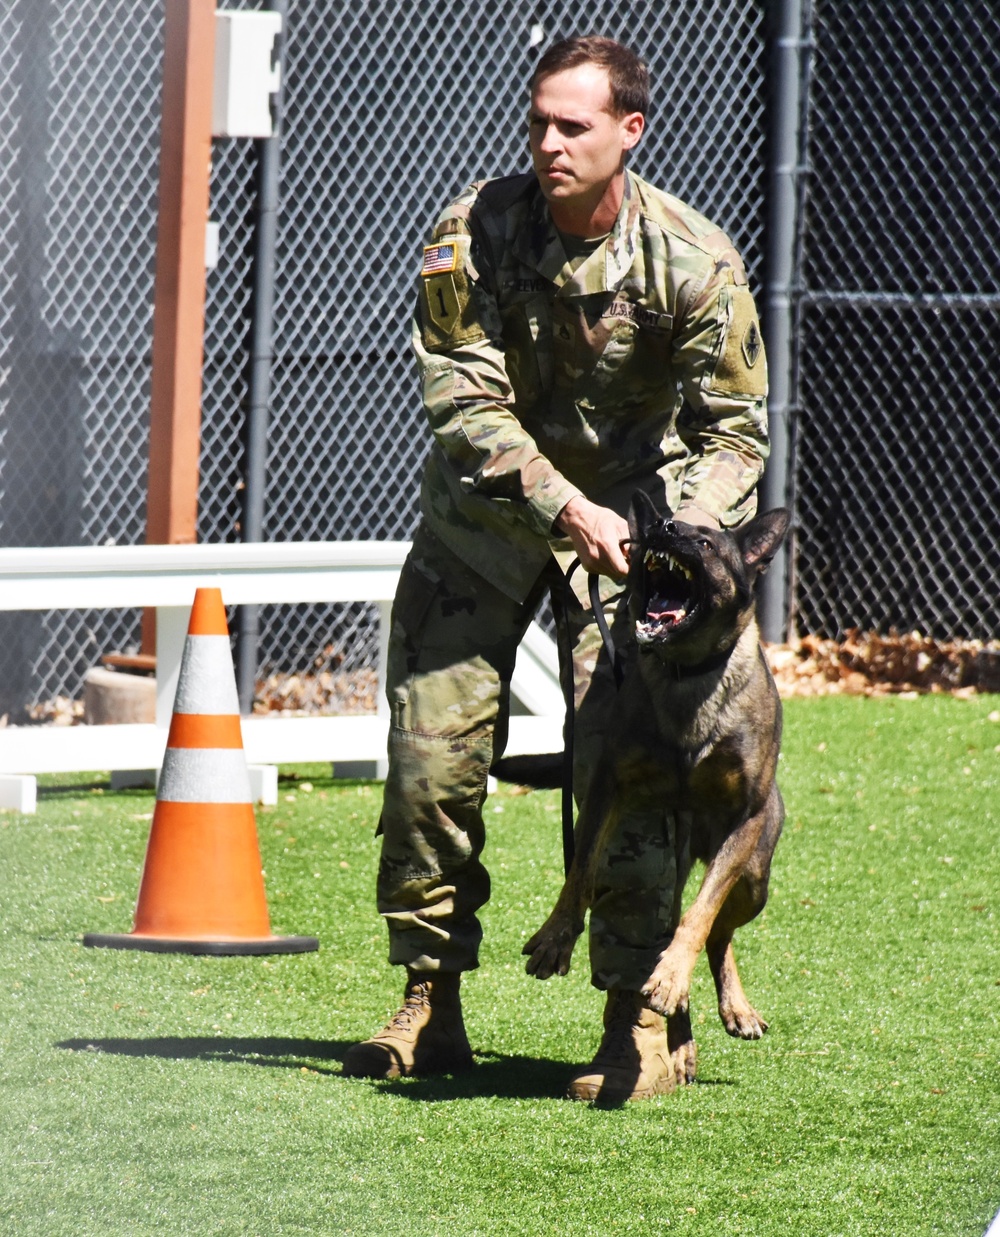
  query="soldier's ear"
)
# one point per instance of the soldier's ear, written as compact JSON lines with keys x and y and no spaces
{"x":759,"y":540}
{"x":632,"y":127}
{"x":641,"y":515}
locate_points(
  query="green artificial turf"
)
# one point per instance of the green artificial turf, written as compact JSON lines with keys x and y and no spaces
{"x":169,"y":1094}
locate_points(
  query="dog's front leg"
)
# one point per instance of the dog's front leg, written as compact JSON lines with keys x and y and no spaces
{"x":738,"y":1016}
{"x":668,"y":987}
{"x":551,"y":948}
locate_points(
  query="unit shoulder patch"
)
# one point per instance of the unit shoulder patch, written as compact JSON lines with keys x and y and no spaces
{"x":441,"y":297}
{"x":741,"y":368}
{"x":447,"y":312}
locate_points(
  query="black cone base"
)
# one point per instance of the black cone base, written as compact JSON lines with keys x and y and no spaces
{"x":172,"y":945}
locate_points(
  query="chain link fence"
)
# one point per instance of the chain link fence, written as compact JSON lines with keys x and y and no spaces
{"x":388,"y":117}
{"x":79,"y":138}
{"x":390,"y":110}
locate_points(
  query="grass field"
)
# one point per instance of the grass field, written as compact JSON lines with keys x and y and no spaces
{"x":166,"y":1094}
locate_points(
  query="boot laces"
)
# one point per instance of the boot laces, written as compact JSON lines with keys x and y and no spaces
{"x":414,"y":1002}
{"x":622,"y":1022}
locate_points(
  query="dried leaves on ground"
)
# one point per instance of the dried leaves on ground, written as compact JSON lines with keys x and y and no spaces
{"x":866,"y":664}
{"x":323,"y":692}
{"x":862,"y":664}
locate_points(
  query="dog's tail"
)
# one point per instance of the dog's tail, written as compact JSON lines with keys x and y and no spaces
{"x":539,"y":772}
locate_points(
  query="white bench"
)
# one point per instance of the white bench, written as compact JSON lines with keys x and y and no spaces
{"x":165,"y":577}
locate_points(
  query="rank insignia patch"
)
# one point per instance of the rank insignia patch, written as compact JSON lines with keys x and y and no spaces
{"x":439,"y":259}
{"x":753,"y":346}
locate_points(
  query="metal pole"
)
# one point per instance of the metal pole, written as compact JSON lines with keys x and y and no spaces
{"x":261,"y":355}
{"x":786,"y":61}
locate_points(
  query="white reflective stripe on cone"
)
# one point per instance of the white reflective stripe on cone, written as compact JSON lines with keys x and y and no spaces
{"x":207,"y":682}
{"x":204,"y":775}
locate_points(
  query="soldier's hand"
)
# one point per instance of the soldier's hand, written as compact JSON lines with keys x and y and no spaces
{"x":596,"y":533}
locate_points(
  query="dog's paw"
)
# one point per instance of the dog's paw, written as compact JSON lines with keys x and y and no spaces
{"x":666,"y":990}
{"x":551,"y":948}
{"x":683,"y":1049}
{"x":741,"y":1020}
{"x":685,"y":1061}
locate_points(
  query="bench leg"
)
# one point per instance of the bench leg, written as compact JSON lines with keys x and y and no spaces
{"x":19,"y":791}
{"x":171,"y":632}
{"x":264,"y":784}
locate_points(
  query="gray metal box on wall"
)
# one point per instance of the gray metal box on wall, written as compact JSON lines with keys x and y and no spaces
{"x":246,"y":74}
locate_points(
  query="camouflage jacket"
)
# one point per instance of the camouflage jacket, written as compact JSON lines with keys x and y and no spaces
{"x":643,"y":366}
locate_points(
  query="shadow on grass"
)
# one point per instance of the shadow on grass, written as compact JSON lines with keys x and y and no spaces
{"x":501,"y":1077}
{"x":273,"y":1051}
{"x":69,"y":789}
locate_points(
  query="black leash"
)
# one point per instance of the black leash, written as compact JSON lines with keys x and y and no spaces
{"x":566,"y":682}
{"x":594,"y":585}
{"x":560,"y":606}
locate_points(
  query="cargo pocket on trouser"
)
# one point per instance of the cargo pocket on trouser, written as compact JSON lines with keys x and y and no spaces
{"x":631,"y":921}
{"x":431,"y":882}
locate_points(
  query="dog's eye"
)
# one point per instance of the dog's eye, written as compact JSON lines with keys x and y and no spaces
{"x":706,"y":543}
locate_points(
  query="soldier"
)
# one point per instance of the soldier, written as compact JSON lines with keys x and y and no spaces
{"x":579,"y":334}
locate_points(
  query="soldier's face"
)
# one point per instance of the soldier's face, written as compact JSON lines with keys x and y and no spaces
{"x":577,"y":145}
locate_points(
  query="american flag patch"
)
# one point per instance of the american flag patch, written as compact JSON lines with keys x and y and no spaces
{"x":439,"y":258}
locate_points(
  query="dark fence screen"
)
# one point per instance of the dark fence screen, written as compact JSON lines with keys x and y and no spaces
{"x":898,"y":444}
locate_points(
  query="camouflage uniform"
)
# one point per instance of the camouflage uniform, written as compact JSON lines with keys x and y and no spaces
{"x":545,"y":378}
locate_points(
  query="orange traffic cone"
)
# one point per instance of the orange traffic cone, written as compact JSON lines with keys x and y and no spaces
{"x":202,"y":889}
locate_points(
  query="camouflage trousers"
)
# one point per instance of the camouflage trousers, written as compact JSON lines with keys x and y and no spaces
{"x":453,"y":640}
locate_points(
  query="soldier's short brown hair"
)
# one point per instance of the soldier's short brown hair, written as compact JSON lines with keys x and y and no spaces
{"x":627,"y":73}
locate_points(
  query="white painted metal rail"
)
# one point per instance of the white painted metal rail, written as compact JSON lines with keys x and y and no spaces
{"x":165,"y":577}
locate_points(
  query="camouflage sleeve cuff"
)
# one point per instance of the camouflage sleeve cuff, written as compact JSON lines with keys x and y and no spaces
{"x":689,"y":514}
{"x":545,"y":507}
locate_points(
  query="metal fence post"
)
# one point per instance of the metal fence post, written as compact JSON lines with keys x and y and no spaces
{"x":785,"y":59}
{"x":261,"y":356}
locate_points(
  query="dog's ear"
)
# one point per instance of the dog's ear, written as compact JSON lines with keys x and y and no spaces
{"x":642,"y":514}
{"x":759,"y":540}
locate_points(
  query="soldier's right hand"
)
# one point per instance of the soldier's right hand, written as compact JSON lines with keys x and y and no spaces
{"x":596,"y":533}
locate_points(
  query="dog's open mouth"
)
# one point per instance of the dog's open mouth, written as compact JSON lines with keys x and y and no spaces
{"x":669,"y":597}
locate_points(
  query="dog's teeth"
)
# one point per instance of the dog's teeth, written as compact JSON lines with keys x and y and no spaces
{"x":666,"y":562}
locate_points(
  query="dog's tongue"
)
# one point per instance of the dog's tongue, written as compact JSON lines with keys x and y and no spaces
{"x":663,"y":610}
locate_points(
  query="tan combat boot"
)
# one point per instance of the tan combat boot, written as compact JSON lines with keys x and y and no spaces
{"x":426,"y":1036}
{"x":633,"y":1061}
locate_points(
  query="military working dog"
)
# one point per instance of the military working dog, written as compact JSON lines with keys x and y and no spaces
{"x":695,"y":729}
